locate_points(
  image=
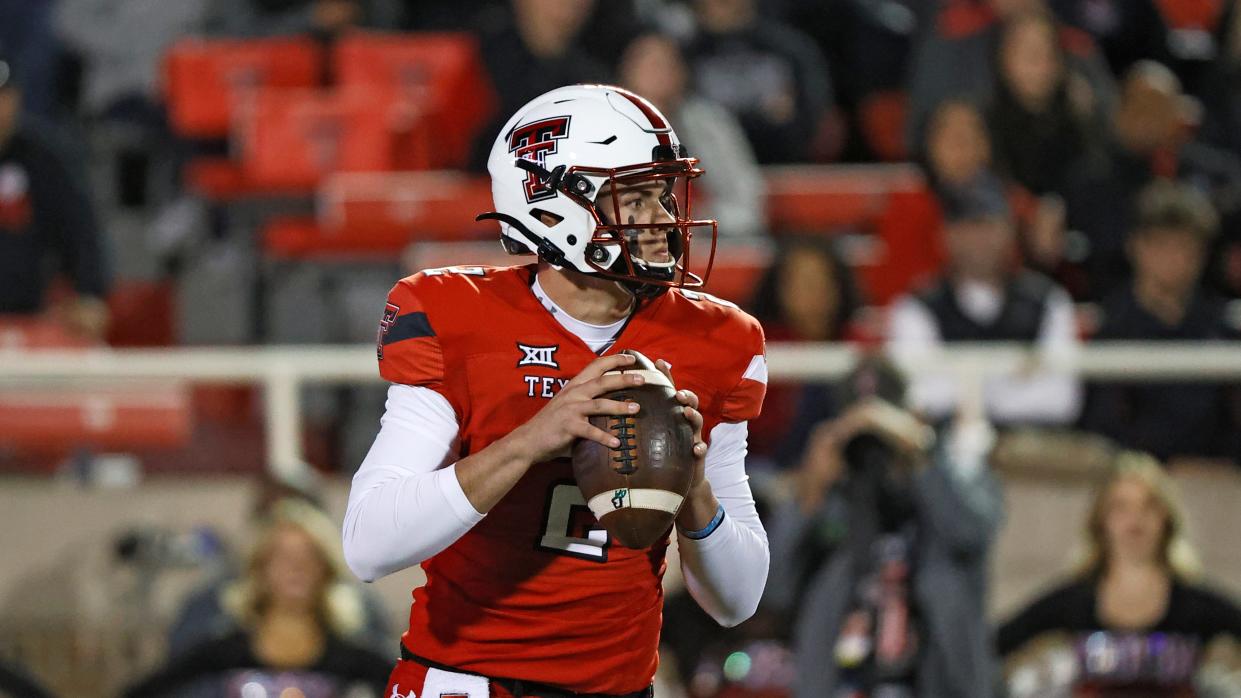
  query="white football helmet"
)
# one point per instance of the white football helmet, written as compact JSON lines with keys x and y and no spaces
{"x":558,"y":152}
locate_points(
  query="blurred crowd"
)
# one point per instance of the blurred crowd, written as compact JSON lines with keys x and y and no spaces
{"x":1081,"y":166}
{"x":1081,"y":182}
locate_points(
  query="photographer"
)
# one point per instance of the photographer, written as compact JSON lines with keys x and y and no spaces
{"x":880,"y":558}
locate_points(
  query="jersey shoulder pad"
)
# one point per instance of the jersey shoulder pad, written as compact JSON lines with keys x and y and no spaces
{"x":408,"y":345}
{"x":723,"y":317}
{"x":429,"y":312}
{"x":744,"y":364}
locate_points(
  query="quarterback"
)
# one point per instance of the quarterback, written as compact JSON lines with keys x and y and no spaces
{"x":494,"y":374}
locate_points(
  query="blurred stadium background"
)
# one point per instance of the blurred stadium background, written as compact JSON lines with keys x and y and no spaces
{"x":204,"y":202}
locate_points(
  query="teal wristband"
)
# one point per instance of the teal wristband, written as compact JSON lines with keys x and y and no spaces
{"x":703,"y":533}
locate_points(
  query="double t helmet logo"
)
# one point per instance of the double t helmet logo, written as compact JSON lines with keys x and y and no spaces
{"x":534,"y":141}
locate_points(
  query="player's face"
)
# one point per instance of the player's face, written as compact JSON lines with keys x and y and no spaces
{"x":641,"y":204}
{"x":295,"y":570}
{"x":1134,"y":521}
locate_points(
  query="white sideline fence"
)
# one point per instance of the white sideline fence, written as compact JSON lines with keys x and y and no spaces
{"x":283,"y":370}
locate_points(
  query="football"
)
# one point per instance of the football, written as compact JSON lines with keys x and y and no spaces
{"x":636,"y":489}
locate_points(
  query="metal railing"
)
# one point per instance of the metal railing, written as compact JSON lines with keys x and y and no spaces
{"x":283,"y":370}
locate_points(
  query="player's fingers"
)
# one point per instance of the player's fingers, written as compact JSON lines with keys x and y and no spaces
{"x":687,"y":398}
{"x":600,"y":366}
{"x":609,"y":382}
{"x":601,"y":405}
{"x":695,"y":419}
{"x":585,"y":430}
{"x":694,"y":416}
{"x":665,"y":368}
{"x":700,"y":450}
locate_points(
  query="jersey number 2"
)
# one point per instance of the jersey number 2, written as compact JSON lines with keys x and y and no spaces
{"x":569,"y":528}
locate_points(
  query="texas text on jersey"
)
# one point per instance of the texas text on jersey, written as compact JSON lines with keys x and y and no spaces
{"x":535,"y":591}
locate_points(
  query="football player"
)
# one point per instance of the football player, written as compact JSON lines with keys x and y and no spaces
{"x":495,"y":372}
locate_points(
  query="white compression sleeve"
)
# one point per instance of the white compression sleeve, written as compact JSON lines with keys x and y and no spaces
{"x":406,"y":503}
{"x":726,"y":571}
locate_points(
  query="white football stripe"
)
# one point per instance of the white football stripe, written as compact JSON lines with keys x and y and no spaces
{"x":757,"y":370}
{"x":661,"y":500}
{"x":653,"y":377}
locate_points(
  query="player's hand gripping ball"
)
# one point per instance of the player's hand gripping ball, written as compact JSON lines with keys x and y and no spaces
{"x":636,"y":489}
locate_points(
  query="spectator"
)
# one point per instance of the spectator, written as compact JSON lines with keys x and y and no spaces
{"x":808,"y":294}
{"x":957,"y":152}
{"x":319,"y":18}
{"x":958,"y":148}
{"x":294,"y":609}
{"x":770,"y":75}
{"x":121,"y":44}
{"x":1037,"y":129}
{"x":1222,"y":96}
{"x":1127,"y":31}
{"x":45,"y":217}
{"x":16,"y":683}
{"x":1221,"y":128}
{"x":1138,"y":620}
{"x":954,"y":58}
{"x":981,"y":297}
{"x":867,"y":45}
{"x":530,"y":48}
{"x":203,"y":614}
{"x":437,"y":16}
{"x":1165,"y":301}
{"x":1148,"y":140}
{"x":654,"y":67}
{"x":26,"y":34}
{"x":876,"y":508}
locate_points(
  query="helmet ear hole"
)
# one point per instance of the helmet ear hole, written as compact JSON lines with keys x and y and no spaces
{"x":547,"y":218}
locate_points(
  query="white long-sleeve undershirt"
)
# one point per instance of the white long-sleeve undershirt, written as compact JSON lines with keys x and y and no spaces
{"x":406,"y":505}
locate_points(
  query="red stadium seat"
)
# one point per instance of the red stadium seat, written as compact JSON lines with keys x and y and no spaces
{"x":386,"y":211}
{"x":57,"y":420}
{"x":206,"y":80}
{"x":294,"y":138}
{"x":810,"y":199}
{"x":912,"y":249}
{"x":883,"y":116}
{"x":24,"y":332}
{"x":1202,"y":15}
{"x":142,"y":314}
{"x":221,"y":179}
{"x":380,"y":213}
{"x":429,"y":83}
{"x":62,"y":420}
{"x":737,"y":270}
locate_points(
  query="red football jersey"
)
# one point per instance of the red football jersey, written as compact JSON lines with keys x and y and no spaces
{"x":535,"y":591}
